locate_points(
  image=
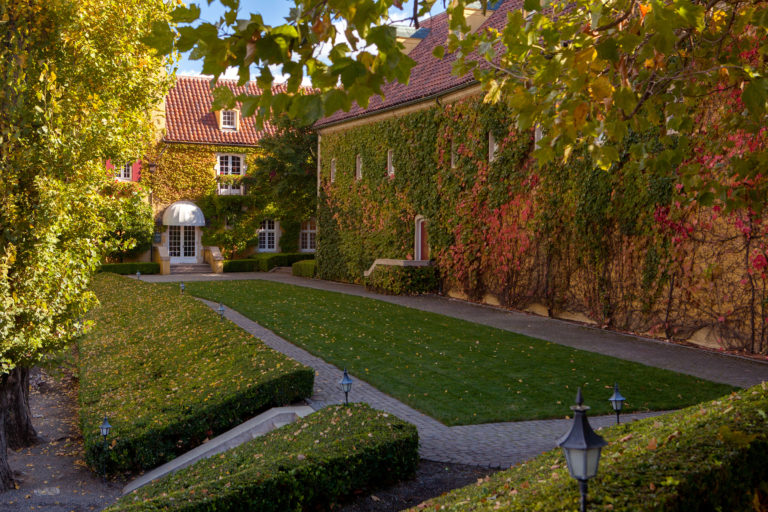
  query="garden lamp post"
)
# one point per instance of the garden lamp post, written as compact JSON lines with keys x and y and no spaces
{"x":221,"y":311}
{"x":582,"y":448}
{"x":181,"y":287}
{"x":617,"y":401}
{"x":138,"y":275}
{"x":105,"y":427}
{"x":346,"y":385}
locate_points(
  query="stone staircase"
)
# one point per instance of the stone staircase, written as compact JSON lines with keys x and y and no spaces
{"x":191,"y":268}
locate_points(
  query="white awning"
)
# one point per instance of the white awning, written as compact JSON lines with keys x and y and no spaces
{"x":183,"y":213}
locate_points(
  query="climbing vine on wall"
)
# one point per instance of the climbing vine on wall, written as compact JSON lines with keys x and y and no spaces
{"x":628,"y":248}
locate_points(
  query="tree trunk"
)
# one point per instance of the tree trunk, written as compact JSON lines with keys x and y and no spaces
{"x":6,"y":475}
{"x":18,"y":419}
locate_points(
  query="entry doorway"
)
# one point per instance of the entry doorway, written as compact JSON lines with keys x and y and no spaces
{"x":421,"y":241}
{"x":182,"y":244}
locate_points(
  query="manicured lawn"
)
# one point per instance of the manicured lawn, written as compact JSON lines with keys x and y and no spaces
{"x":169,"y":374}
{"x":713,"y":456}
{"x":455,"y":371}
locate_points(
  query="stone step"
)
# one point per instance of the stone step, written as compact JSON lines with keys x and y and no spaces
{"x":282,"y":270}
{"x":251,"y":429}
{"x":190,"y":268}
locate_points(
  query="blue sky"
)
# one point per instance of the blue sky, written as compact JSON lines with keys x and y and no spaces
{"x":273,"y":12}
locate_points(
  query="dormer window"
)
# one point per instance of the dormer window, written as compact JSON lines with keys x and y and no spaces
{"x":228,"y":120}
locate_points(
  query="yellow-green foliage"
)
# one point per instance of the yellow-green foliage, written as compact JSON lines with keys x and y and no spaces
{"x":308,"y":465}
{"x":712,"y":456}
{"x":187,"y":172}
{"x":169,"y":373}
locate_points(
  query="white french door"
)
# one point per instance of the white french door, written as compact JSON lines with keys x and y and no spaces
{"x":182,"y":247}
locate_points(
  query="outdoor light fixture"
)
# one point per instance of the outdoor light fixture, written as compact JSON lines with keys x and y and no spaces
{"x":138,"y":275}
{"x":582,"y":448}
{"x":346,"y":385}
{"x":221,"y":311}
{"x":181,"y":286}
{"x":105,"y":427}
{"x":617,"y":401}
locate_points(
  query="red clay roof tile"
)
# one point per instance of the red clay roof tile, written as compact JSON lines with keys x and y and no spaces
{"x":430,"y":76}
{"x":190,"y":117}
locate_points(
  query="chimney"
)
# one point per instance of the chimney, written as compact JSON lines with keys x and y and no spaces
{"x":410,"y":37}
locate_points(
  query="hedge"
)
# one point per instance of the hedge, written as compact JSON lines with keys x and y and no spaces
{"x":712,"y":456}
{"x":308,"y":465}
{"x":169,"y":374}
{"x":305,"y":268}
{"x":395,"y":280}
{"x":130,"y":268}
{"x":264,"y":262}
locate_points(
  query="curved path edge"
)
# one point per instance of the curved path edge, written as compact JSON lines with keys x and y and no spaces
{"x":494,"y":445}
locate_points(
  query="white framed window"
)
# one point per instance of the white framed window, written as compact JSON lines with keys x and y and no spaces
{"x":333,"y":170}
{"x":124,"y":172}
{"x":268,"y":236}
{"x":358,"y":167}
{"x":493,"y":147}
{"x":537,"y":136}
{"x":229,"y":165}
{"x":390,"y":165}
{"x":308,"y":236}
{"x":228,"y":120}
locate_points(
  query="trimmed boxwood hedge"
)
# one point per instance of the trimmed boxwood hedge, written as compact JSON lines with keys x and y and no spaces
{"x":712,"y":456}
{"x":169,"y":374}
{"x":308,"y":465}
{"x":306,"y":268}
{"x":264,"y":262}
{"x":130,"y":268}
{"x":394,"y":280}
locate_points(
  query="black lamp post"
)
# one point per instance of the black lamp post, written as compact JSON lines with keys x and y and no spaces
{"x":221,"y":311}
{"x":582,"y":448}
{"x":138,"y":275}
{"x":181,"y":287}
{"x":105,"y":427}
{"x":346,"y":386}
{"x":617,"y":401}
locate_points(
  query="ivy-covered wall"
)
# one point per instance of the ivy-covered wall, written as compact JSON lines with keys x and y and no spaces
{"x":629,"y":249}
{"x":187,"y":172}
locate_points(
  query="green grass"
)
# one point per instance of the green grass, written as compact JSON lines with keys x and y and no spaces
{"x":455,"y":371}
{"x":713,"y":456}
{"x":311,"y":464}
{"x":169,"y":373}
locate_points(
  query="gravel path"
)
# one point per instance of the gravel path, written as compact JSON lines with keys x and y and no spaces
{"x":52,"y":475}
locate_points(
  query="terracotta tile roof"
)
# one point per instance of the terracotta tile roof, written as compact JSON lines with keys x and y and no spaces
{"x":430,"y":76}
{"x":190,"y":118}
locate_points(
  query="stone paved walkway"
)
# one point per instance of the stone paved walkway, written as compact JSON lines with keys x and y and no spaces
{"x":734,"y":370}
{"x":495,"y":445}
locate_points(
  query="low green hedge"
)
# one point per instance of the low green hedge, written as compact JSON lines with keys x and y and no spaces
{"x":394,"y":280}
{"x":306,"y":268}
{"x":130,"y":268}
{"x":264,"y":262}
{"x":308,"y":465}
{"x":169,"y":374}
{"x":712,"y":456}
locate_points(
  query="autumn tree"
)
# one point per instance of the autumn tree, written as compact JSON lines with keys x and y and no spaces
{"x":77,"y":88}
